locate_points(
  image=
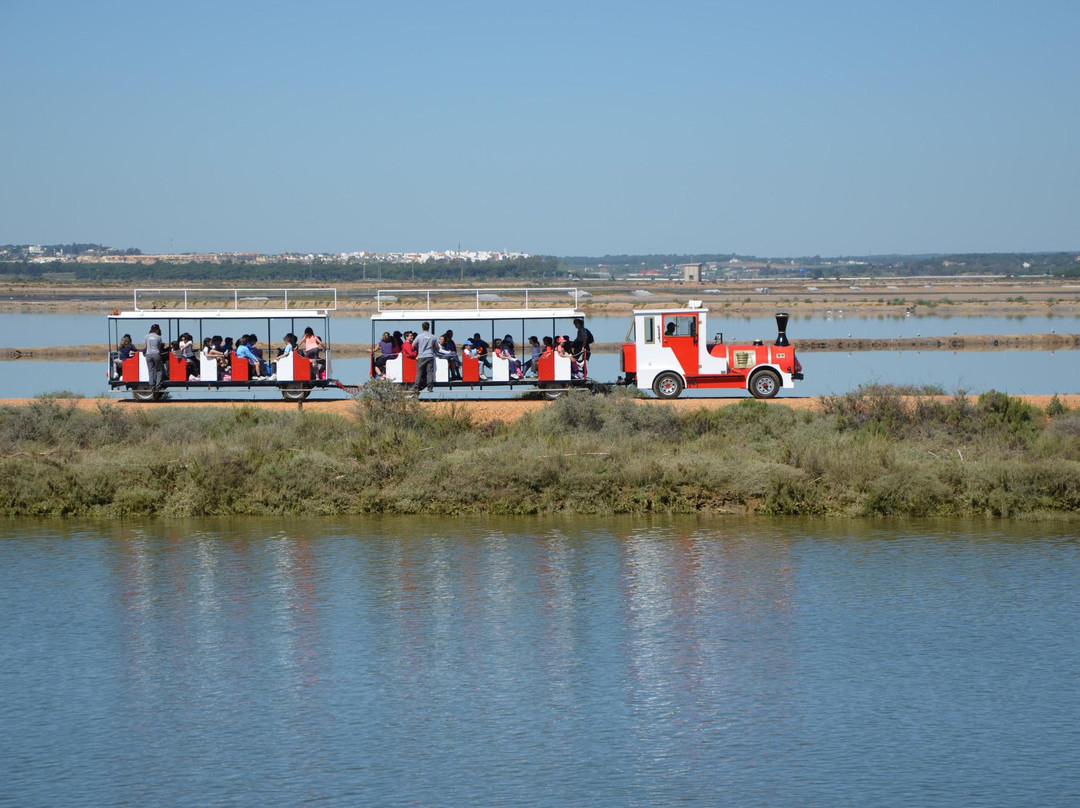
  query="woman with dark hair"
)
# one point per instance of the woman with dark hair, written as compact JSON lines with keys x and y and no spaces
{"x":386,"y":352}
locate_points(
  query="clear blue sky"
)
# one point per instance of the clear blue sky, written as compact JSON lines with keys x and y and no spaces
{"x":577,"y":128}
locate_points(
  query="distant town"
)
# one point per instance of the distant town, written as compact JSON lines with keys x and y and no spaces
{"x":95,"y":262}
{"x":97,"y":254}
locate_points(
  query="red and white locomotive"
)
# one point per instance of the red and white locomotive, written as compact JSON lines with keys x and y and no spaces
{"x":667,"y":351}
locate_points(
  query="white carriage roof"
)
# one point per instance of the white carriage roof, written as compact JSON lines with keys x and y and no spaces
{"x":238,"y":303}
{"x":506,"y":303}
{"x":415,"y":315}
{"x":669,"y":311}
{"x":222,"y":314}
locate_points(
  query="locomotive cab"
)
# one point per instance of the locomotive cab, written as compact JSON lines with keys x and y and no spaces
{"x":666,"y":352}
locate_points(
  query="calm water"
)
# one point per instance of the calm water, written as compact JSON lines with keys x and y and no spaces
{"x":539,"y":663}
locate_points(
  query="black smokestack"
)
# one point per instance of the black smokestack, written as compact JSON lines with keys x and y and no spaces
{"x":781,"y":327}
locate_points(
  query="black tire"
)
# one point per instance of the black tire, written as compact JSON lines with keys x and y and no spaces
{"x":145,"y":393}
{"x":295,"y":393}
{"x":765,"y":384}
{"x":668,"y":385}
{"x":551,"y":395}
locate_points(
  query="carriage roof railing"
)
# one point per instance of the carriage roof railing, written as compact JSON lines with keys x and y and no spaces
{"x":252,"y":301}
{"x":476,"y":299}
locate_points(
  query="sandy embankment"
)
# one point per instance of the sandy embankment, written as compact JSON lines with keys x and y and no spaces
{"x":480,"y":411}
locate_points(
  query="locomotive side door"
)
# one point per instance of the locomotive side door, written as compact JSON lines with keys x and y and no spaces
{"x":680,"y":335}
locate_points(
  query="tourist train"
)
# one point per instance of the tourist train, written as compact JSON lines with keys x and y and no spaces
{"x":492,"y":339}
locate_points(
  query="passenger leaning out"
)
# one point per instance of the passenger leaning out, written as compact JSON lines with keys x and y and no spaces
{"x":310,"y":345}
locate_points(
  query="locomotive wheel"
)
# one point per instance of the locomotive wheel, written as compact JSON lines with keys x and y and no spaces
{"x":764,"y":384}
{"x":145,"y":393}
{"x":668,"y":385}
{"x":296,"y":392}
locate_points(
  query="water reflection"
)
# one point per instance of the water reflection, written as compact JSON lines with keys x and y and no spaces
{"x":540,"y":662}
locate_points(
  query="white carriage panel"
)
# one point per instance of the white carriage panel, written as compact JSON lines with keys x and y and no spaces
{"x":562,"y":368}
{"x":144,"y":371}
{"x":208,"y":369}
{"x":284,"y":368}
{"x":395,"y":371}
{"x":500,"y":368}
{"x":442,"y":369}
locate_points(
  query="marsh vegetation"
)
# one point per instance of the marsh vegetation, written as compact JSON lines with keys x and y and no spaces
{"x":875,"y":451}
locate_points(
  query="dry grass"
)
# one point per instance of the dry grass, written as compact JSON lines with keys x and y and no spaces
{"x":872,"y":452}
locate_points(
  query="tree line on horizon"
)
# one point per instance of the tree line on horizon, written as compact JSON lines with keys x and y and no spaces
{"x":544,"y":268}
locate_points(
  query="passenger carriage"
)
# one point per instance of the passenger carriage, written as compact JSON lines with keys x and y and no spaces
{"x":667,"y":351}
{"x":492,"y":313}
{"x":267,"y":313}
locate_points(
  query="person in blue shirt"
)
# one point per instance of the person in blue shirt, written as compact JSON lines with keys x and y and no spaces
{"x":243,"y":351}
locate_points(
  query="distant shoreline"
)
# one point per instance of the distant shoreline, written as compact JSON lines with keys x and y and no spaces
{"x":960,"y":296}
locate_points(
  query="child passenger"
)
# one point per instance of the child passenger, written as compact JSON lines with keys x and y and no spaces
{"x":502,"y":351}
{"x":530,"y":367}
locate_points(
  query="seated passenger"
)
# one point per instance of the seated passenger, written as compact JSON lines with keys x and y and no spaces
{"x":253,"y":346}
{"x":408,"y":350}
{"x":186,"y":347}
{"x":469,"y":350}
{"x":482,"y":349}
{"x":503,"y":353}
{"x":126,"y":351}
{"x":534,"y":349}
{"x":452,"y":361}
{"x":385,"y":351}
{"x":548,"y":349}
{"x":562,"y":348}
{"x":243,"y":351}
{"x":217,"y":351}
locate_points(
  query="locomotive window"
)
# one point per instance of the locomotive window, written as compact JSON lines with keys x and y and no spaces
{"x":681,"y":325}
{"x":650,"y":330}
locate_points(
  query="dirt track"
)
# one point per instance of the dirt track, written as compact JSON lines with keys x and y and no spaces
{"x":507,"y":410}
